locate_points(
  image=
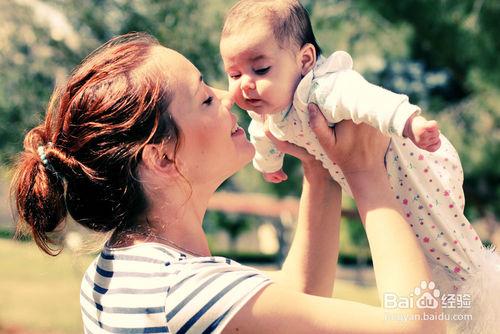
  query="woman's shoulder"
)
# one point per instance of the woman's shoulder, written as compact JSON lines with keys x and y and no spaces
{"x":196,"y":293}
{"x":208,"y":292}
{"x":138,"y":266}
{"x":158,"y":260}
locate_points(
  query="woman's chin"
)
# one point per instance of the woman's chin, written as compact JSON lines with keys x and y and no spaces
{"x":250,"y":153}
{"x":242,"y":160}
{"x":235,"y":161}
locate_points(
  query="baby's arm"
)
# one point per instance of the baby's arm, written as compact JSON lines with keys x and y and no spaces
{"x":268,"y":159}
{"x":347,"y":95}
{"x":423,"y":133}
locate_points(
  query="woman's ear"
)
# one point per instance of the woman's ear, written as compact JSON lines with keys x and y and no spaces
{"x":159,"y":158}
{"x":307,"y":58}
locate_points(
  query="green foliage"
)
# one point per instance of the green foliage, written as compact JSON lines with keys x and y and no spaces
{"x":41,"y":41}
{"x":233,"y":224}
{"x":457,"y":40}
{"x":461,"y":37}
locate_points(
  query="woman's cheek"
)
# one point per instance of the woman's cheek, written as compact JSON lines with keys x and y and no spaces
{"x":234,"y":87}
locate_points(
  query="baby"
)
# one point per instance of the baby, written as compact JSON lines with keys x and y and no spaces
{"x":275,"y":69}
{"x":266,"y":58}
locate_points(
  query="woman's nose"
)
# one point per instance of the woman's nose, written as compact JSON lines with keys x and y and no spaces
{"x":225,"y":97}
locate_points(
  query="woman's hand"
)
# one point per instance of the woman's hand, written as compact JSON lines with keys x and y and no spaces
{"x":359,"y":151}
{"x":354,"y":148}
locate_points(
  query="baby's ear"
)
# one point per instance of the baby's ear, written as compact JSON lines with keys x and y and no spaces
{"x":307,"y":58}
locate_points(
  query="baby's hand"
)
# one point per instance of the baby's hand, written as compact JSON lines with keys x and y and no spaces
{"x":275,"y":177}
{"x":423,"y":133}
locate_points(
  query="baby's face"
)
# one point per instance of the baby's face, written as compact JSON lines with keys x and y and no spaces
{"x":262,"y":75}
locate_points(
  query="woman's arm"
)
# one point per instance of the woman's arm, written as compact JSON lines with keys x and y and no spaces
{"x":277,"y":309}
{"x":311,"y":262}
{"x":399,"y":263}
{"x":399,"y":266}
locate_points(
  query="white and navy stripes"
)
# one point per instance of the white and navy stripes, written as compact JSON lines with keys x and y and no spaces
{"x":153,"y":288}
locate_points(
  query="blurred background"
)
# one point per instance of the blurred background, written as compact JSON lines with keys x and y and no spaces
{"x":443,"y":54}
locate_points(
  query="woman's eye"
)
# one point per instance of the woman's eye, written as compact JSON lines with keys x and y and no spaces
{"x":208,"y":101}
{"x":261,"y":71}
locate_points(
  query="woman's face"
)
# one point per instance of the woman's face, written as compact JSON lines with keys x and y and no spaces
{"x":213,"y":146}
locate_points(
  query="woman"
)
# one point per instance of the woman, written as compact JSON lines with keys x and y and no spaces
{"x":136,"y":143}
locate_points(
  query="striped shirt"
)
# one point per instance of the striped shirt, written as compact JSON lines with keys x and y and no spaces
{"x":154,"y":288}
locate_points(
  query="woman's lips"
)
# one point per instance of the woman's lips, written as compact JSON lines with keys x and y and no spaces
{"x":239,"y":131}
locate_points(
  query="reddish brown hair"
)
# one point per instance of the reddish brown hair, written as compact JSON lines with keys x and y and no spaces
{"x":97,"y":124}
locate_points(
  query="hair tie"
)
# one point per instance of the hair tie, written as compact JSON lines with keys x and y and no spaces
{"x":43,"y":157}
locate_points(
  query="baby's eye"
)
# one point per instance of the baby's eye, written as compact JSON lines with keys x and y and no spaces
{"x":208,"y":101}
{"x":234,"y":76}
{"x":262,"y":71}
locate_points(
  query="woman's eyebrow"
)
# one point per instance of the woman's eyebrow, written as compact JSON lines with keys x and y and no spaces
{"x":200,"y":81}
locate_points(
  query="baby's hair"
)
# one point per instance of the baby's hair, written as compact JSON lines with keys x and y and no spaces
{"x":289,"y":21}
{"x":83,"y":158}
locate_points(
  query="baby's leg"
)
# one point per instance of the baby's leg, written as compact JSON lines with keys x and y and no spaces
{"x":429,"y":188}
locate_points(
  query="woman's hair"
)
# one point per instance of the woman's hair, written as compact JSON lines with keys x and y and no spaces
{"x":83,"y":158}
{"x":289,"y":21}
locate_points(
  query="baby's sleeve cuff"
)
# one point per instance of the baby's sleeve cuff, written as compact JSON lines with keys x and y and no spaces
{"x":402,"y":114}
{"x":267,"y":166}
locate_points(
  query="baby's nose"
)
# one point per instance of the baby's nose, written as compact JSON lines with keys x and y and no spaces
{"x":247,"y":83}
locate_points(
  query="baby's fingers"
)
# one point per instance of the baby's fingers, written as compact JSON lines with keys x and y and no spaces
{"x":431,"y":126}
{"x":434,"y":147}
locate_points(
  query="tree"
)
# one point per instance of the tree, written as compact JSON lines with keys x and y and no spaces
{"x":444,"y":54}
{"x":43,"y":41}
{"x":233,"y":224}
{"x":409,"y":42}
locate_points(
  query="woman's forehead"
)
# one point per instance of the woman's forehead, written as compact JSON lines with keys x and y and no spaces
{"x":183,"y":76}
{"x":184,"y":80}
{"x":175,"y":64}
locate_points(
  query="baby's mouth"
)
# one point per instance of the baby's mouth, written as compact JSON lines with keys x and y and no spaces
{"x":253,"y":102}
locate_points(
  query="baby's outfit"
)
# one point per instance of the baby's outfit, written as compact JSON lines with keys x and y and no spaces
{"x":428,"y":185}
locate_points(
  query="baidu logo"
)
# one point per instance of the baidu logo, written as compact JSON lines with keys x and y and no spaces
{"x":428,"y":295}
{"x":425,"y":296}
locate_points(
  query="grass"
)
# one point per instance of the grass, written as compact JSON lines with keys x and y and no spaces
{"x":40,"y":293}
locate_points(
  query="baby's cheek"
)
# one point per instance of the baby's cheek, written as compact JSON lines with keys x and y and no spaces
{"x":268,"y":90}
{"x":238,"y":99}
{"x":264,"y":85}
